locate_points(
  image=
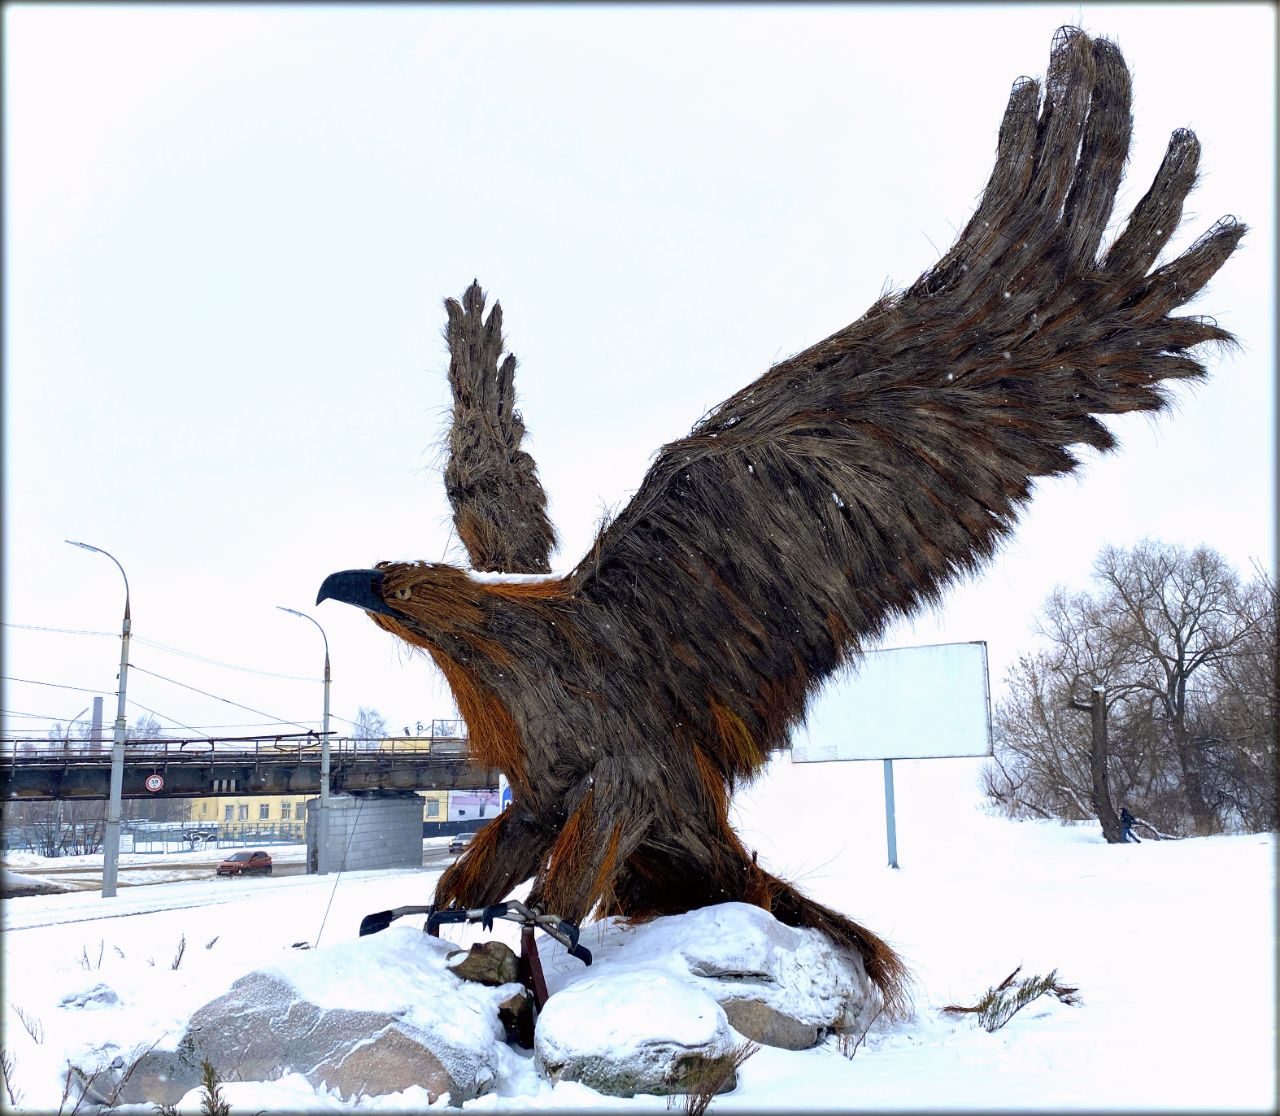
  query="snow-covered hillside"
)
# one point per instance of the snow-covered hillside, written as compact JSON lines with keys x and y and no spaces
{"x":1172,"y":946}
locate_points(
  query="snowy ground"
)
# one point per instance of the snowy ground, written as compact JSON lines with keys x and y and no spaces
{"x":1172,"y":946}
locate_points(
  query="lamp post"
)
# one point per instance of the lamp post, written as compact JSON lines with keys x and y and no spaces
{"x":322,"y":822}
{"x":111,"y":843}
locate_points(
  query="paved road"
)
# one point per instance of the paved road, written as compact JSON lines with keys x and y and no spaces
{"x":80,"y":877}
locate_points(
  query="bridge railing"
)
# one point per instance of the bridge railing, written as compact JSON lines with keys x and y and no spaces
{"x":36,"y":752}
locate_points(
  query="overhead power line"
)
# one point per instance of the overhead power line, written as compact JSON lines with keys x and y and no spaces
{"x":272,"y":720}
{"x":166,"y":647}
{"x":164,"y":716}
{"x":62,"y":631}
{"x":215,"y":697}
{"x":216,"y":662}
{"x":53,"y":685}
{"x":173,"y":681}
{"x":33,"y":716}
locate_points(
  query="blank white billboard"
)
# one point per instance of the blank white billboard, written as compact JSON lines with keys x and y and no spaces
{"x":902,"y":703}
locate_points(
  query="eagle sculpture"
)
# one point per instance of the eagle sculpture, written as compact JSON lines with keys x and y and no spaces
{"x":836,"y":493}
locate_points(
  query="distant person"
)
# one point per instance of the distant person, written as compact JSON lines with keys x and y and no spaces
{"x":1126,"y":827}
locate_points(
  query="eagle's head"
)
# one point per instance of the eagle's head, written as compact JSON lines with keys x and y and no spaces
{"x":424,"y":603}
{"x":471,"y":628}
{"x":443,"y":609}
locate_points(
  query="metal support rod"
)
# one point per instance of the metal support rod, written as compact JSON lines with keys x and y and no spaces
{"x":111,"y":839}
{"x":322,"y":825}
{"x":95,"y":733}
{"x":890,"y":822}
{"x":322,"y":821}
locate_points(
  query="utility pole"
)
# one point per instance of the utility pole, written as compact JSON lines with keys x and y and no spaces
{"x":322,"y":822}
{"x":111,"y":841}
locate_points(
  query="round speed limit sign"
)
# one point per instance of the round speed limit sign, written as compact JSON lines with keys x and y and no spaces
{"x":154,"y":783}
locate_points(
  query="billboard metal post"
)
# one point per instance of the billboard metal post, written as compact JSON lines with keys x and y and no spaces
{"x":890,"y":823}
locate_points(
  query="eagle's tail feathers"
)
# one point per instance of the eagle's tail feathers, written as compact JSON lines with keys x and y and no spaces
{"x":885,"y":968}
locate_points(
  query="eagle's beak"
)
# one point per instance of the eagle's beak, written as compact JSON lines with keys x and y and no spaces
{"x":362,"y":588}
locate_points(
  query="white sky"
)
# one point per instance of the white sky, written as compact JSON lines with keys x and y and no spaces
{"x":228,"y":231}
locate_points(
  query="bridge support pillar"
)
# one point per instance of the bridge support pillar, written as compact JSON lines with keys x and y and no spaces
{"x":368,"y":829}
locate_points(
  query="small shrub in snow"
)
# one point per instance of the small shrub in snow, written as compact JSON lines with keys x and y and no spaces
{"x":31,"y":1023}
{"x":212,"y":1103}
{"x":848,"y":1041}
{"x":101,"y":1088}
{"x":1002,"y":1002}
{"x":8,"y":1063}
{"x":711,"y":1078}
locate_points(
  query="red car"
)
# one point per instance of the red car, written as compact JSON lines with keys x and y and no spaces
{"x":244,"y":863}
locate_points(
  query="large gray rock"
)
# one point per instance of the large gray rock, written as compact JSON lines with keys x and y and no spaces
{"x":663,"y":1010}
{"x":260,"y":1030}
{"x":767,"y":1025}
{"x":366,"y":1017}
{"x":777,"y":985}
{"x":486,"y":963}
{"x":639,"y":1031}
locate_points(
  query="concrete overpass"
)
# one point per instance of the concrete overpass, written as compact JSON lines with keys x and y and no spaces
{"x":268,"y":765}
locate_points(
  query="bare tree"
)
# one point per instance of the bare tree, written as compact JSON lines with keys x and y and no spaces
{"x":370,"y":727}
{"x":1172,"y":614}
{"x":1185,"y":658}
{"x":146,"y":729}
{"x":60,"y":827}
{"x":68,"y":736}
{"x":1237,"y":732}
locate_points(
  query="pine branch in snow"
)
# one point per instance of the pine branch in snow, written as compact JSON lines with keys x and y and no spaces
{"x":1010,"y":996}
{"x":212,"y":1102}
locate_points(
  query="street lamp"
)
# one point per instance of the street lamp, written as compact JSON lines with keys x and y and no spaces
{"x":322,"y":822}
{"x":111,"y":844}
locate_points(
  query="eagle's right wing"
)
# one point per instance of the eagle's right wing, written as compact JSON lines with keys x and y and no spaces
{"x":499,"y":507}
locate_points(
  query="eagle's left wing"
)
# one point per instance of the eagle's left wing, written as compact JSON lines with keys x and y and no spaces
{"x":851,"y":483}
{"x":499,"y":507}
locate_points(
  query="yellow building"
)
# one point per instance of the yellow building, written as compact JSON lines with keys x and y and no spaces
{"x":251,"y":813}
{"x":435,"y":805}
{"x":284,"y":814}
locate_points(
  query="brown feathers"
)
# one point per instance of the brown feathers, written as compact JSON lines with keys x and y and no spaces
{"x":845,"y":487}
{"x":499,"y":507}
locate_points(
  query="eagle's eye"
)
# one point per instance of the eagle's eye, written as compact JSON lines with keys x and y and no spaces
{"x":403,"y":593}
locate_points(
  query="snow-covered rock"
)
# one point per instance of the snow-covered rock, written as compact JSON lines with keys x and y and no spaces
{"x":370,"y":1017}
{"x":96,"y":995}
{"x":486,"y":963}
{"x":777,"y":985}
{"x":662,"y":1010}
{"x":635,"y":1031}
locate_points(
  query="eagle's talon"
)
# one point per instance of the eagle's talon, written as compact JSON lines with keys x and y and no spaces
{"x":498,"y":910}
